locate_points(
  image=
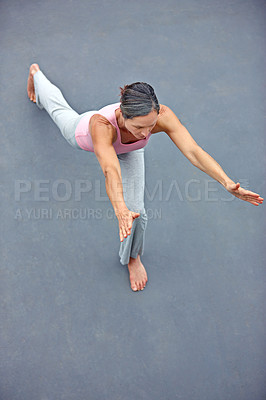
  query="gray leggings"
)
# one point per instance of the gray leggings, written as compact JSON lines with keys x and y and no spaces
{"x":132,"y":166}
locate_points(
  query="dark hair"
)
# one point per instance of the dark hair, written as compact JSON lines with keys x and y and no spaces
{"x":138,"y":99}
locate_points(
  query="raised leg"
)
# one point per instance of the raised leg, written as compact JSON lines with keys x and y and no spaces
{"x":46,"y":95}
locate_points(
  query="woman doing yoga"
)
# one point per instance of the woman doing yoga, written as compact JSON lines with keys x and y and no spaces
{"x":117,"y":134}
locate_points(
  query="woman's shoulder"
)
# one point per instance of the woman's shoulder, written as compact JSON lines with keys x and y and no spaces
{"x":100,"y":125}
{"x":164,"y":118}
{"x":106,"y":115}
{"x":99,"y":119}
{"x":165,"y":111}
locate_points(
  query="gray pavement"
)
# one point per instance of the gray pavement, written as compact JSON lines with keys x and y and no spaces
{"x":71,"y":328}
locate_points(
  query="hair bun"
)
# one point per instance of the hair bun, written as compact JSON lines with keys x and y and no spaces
{"x":122,"y":90}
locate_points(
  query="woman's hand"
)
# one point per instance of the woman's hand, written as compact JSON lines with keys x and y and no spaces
{"x":243,"y":194}
{"x":125,"y":220}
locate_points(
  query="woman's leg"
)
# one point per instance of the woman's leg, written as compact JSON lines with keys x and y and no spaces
{"x":49,"y":97}
{"x":133,"y":180}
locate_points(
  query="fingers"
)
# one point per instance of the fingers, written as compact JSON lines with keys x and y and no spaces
{"x":125,"y":223}
{"x":247,"y":195}
{"x":252,"y":193}
{"x":125,"y":231}
{"x":250,"y":199}
{"x":121,"y":235}
{"x":256,"y":203}
{"x":248,"y":192}
{"x":135,"y":215}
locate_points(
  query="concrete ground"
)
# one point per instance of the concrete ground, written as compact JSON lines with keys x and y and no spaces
{"x":71,"y":328}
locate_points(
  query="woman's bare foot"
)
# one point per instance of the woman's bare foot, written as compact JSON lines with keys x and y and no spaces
{"x":30,"y":87}
{"x":137,"y":274}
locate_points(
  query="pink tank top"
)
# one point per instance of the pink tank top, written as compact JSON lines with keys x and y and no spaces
{"x":83,"y":136}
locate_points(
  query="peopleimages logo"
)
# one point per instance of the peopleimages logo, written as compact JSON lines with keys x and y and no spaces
{"x":60,"y":191}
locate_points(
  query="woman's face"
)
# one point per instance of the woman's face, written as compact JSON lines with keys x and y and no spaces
{"x":140,"y":127}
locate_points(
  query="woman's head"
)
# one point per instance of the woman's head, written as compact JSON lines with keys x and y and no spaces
{"x":138,"y":99}
{"x":140,"y":108}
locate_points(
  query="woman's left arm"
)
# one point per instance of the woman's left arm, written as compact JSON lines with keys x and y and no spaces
{"x":170,"y":124}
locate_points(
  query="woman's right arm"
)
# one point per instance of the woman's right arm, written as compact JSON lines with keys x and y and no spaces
{"x":102,"y":136}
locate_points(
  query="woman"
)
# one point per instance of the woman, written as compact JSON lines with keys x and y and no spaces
{"x":117,"y":134}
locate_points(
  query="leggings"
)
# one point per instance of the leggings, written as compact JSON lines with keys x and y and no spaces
{"x":49,"y":97}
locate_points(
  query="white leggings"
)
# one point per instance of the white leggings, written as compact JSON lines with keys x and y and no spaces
{"x":132,"y":165}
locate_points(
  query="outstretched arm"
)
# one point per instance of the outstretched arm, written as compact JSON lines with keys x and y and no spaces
{"x":169,"y":123}
{"x":106,"y":155}
{"x":207,"y":164}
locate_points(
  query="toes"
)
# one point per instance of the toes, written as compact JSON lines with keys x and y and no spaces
{"x":134,"y":287}
{"x":143,"y":285}
{"x":32,"y":98}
